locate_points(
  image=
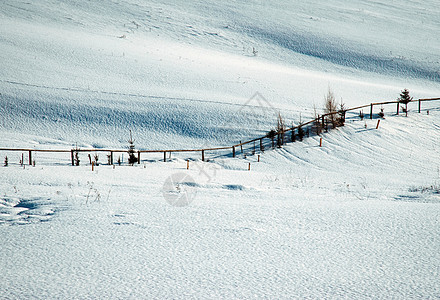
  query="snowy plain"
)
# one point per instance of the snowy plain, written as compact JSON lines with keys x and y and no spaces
{"x":357,"y":218}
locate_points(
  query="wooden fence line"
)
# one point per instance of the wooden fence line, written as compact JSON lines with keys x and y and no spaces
{"x":319,"y":120}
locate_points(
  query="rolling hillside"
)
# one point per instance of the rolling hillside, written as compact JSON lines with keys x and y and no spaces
{"x":356,"y":218}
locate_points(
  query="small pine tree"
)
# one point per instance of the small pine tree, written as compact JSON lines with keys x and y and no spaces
{"x":300,"y":133}
{"x":96,"y":158}
{"x":132,"y":159}
{"x":6,"y":161}
{"x":341,"y":112}
{"x":271,"y":134}
{"x":405,"y":98}
{"x":381,"y":113}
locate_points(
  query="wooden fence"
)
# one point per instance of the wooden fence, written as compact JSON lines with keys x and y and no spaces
{"x":319,"y":123}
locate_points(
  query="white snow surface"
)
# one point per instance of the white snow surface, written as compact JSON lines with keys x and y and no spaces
{"x":356,"y":218}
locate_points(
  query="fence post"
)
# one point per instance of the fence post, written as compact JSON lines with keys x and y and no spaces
{"x":71,"y":157}
{"x":164,"y":156}
{"x":139,"y":157}
{"x":203,"y":155}
{"x":322,"y":117}
{"x":419,"y":105}
{"x":397,"y":107}
{"x":30,"y":158}
{"x":111,"y":157}
{"x":261,"y":145}
{"x":241,"y":148}
{"x":233,"y":151}
{"x":371,"y":111}
{"x":318,"y":124}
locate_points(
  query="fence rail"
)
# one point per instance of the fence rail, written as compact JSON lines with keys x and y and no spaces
{"x":320,"y":120}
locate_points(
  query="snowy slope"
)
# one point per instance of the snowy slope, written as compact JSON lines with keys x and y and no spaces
{"x":357,"y":218}
{"x":77,"y":59}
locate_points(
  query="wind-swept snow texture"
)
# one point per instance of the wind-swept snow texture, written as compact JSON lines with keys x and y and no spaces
{"x":357,"y":218}
{"x":85,"y":72}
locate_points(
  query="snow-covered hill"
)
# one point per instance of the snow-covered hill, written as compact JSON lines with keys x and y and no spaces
{"x":356,"y":218}
{"x":85,"y":72}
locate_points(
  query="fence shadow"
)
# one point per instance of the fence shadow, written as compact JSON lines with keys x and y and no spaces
{"x":261,"y":144}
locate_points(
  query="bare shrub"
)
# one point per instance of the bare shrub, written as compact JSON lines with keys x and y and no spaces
{"x":281,"y":128}
{"x":330,"y":108}
{"x":293,"y":134}
{"x":76,"y":159}
{"x":317,"y":123}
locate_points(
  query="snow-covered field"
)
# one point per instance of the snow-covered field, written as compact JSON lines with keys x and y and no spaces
{"x":356,"y":218}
